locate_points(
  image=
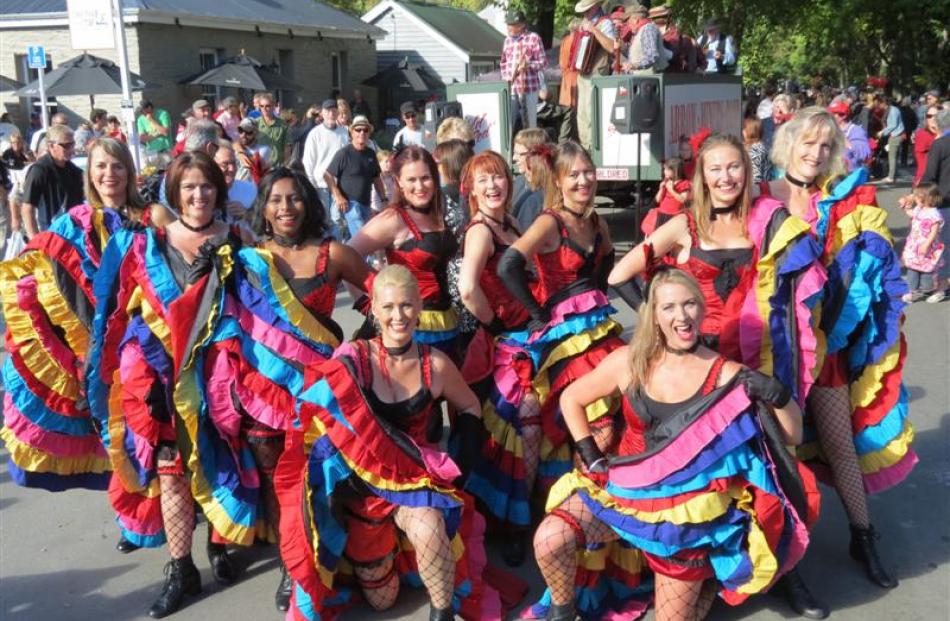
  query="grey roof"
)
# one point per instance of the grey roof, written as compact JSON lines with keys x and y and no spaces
{"x":289,"y":13}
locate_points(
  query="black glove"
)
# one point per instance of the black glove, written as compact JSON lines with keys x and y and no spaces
{"x":513,"y":271}
{"x":603,"y":270}
{"x":204,"y":261}
{"x":133,"y":225}
{"x":591,"y":455}
{"x":765,"y":388}
{"x":631,"y":293}
{"x":363,"y":305}
{"x":468,"y":436}
{"x":495,"y":327}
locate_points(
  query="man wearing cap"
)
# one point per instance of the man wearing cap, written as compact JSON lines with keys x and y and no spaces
{"x":682,"y":48}
{"x":522,"y":65}
{"x":602,"y":31}
{"x":411,"y":133}
{"x":273,"y":129}
{"x":351,"y":175}
{"x":321,"y":145}
{"x":254,"y":156}
{"x":646,"y":54}
{"x":719,"y":49}
{"x":201,"y":110}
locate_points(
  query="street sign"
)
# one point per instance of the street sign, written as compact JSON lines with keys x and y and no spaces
{"x":36,"y":56}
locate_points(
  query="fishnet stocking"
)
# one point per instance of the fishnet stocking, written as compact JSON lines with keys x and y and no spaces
{"x":604,"y":436}
{"x":425,"y":530}
{"x":832,"y":414}
{"x":266,"y":453}
{"x":178,"y":512}
{"x":529,"y":413}
{"x":679,"y":600}
{"x":556,"y":545}
{"x":380,"y":584}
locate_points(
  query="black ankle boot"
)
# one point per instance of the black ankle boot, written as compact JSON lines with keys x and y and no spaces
{"x":125,"y":546}
{"x":562,"y":612}
{"x":515,"y":548}
{"x":863,"y":550}
{"x":181,"y":578}
{"x":800,"y":598}
{"x":441,"y":614}
{"x":282,"y":597}
{"x":221,"y":567}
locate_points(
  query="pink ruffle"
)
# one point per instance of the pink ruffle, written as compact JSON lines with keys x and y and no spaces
{"x":506,"y":380}
{"x":278,"y":341}
{"x":889,"y":477}
{"x":490,"y":601}
{"x":132,"y":354}
{"x":27,"y":301}
{"x":681,"y":451}
{"x":810,"y":284}
{"x":51,"y":442}
{"x":221,"y":376}
{"x":580,"y":303}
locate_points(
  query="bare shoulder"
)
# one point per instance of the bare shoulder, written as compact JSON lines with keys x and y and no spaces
{"x":729,"y":370}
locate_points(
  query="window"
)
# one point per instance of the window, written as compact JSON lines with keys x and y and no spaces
{"x":338,"y":70}
{"x":476,"y":69}
{"x":284,"y":65}
{"x":208,"y":58}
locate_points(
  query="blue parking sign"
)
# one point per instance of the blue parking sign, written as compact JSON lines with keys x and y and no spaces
{"x":36,"y":56}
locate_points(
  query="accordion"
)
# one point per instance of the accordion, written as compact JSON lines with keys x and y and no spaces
{"x":583,"y":53}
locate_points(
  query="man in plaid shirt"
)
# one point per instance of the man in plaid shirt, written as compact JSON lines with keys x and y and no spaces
{"x":522,"y":65}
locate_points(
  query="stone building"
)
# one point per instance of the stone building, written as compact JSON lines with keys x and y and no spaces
{"x":318,"y":47}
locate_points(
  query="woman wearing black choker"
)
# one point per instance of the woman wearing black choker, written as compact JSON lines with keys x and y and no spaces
{"x":859,"y":405}
{"x":274,"y":322}
{"x":150,"y":287}
{"x":758,"y":270}
{"x":413,"y":233}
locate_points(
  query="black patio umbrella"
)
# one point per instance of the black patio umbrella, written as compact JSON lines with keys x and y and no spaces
{"x":83,"y":75}
{"x":242,"y":71}
{"x":9,"y":84}
{"x":405,"y":76}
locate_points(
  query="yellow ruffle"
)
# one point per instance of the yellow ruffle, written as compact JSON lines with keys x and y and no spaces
{"x":570,"y":347}
{"x":48,"y":371}
{"x":890,"y":454}
{"x":548,"y":452}
{"x":153,"y":319}
{"x":764,"y":563}
{"x":865,"y":389}
{"x":37,"y":264}
{"x":438,"y":320}
{"x":501,"y":431}
{"x":122,"y":468}
{"x":33,"y":459}
{"x":298,"y":315}
{"x":864,"y":218}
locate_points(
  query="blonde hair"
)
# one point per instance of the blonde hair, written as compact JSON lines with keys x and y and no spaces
{"x":702,"y":201}
{"x":648,"y":342}
{"x":454,"y":128}
{"x":541,"y":175}
{"x":807,"y":122}
{"x":133,"y":204}
{"x":529,"y":138}
{"x":928,"y":194}
{"x":382,"y":155}
{"x":395,"y":276}
{"x":564,"y":157}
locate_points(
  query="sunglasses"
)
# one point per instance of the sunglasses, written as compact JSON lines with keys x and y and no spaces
{"x":409,"y":115}
{"x":361,"y":130}
{"x":930,"y":116}
{"x":249,"y":132}
{"x":66,"y":145}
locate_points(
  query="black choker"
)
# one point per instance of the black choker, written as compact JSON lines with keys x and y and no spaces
{"x":580,"y":215}
{"x":196,"y":229}
{"x":798,"y":182}
{"x":423,"y":210}
{"x":682,"y":352}
{"x":504,"y":224}
{"x":286,"y":242}
{"x":721,"y":211}
{"x":397,"y":351}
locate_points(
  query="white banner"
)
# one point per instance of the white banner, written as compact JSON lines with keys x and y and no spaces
{"x":90,"y":24}
{"x":689,"y":107}
{"x":483,"y":111}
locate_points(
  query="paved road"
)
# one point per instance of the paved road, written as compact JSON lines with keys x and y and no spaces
{"x":57,"y":559}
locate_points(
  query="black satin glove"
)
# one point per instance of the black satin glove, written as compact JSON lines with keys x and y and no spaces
{"x":468,"y":436}
{"x":363,"y":305}
{"x":603,"y":270}
{"x":593,"y":458}
{"x":764,"y":388}
{"x":631,"y":293}
{"x":513,"y":271}
{"x":204,"y":262}
{"x":133,"y":225}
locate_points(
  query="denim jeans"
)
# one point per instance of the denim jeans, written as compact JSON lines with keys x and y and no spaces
{"x":331,"y":213}
{"x":356,"y":215}
{"x":920,"y":281}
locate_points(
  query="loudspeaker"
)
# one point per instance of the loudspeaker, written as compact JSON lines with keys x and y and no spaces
{"x":637,"y":107}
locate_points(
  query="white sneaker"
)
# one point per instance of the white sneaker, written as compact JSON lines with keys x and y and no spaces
{"x":937,"y":297}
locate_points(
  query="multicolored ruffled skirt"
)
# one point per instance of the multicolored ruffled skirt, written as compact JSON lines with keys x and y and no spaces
{"x":48,"y":305}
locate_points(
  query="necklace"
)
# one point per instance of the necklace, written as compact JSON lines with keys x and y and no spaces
{"x":798,"y":182}
{"x":579,"y":216}
{"x":682,"y":352}
{"x":720,"y":211}
{"x":505,"y":226}
{"x":423,"y":210}
{"x":286,"y":242}
{"x":397,"y":351}
{"x":196,"y":229}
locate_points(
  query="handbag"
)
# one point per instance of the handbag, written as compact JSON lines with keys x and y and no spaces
{"x":14,"y":245}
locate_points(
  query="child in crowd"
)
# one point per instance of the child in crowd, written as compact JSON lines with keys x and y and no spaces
{"x":114,"y":129}
{"x":688,"y":157}
{"x":385,"y":159}
{"x":671,"y":198}
{"x":923,"y":250}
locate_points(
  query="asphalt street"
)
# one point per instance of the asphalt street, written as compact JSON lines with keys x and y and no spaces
{"x":57,"y":556}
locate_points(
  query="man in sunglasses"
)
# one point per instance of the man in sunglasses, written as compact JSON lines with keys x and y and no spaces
{"x":254,"y":157}
{"x":351,"y":175}
{"x":53,"y":184}
{"x":412,"y":132}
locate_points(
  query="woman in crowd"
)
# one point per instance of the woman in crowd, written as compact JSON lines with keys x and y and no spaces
{"x":757,"y":267}
{"x":48,"y":305}
{"x":858,"y":406}
{"x":275,"y":321}
{"x":496,"y":365}
{"x":923,"y":139}
{"x":149,"y":290}
{"x":702,"y":488}
{"x":758,"y":152}
{"x":413,"y":233}
{"x":570,"y":326}
{"x":360,"y":481}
